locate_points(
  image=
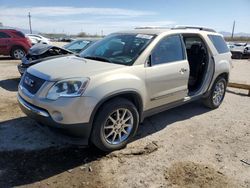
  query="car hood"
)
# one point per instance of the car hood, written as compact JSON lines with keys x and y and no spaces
{"x":39,"y":49}
{"x":69,"y":67}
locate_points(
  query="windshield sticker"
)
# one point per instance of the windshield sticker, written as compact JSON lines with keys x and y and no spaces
{"x":144,"y":36}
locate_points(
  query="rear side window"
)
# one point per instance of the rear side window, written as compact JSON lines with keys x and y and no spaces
{"x":3,"y":35}
{"x":219,"y":43}
{"x":20,"y":34}
{"x":169,"y":49}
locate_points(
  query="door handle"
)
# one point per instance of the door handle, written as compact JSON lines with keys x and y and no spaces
{"x":183,"y":70}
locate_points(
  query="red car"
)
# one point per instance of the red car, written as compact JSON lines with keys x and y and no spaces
{"x":13,"y":43}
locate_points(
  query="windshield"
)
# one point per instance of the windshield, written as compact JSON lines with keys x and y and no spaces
{"x":77,"y":46}
{"x":118,"y":48}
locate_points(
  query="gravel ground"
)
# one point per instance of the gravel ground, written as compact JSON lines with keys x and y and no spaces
{"x":188,"y":146}
{"x":240,"y":71}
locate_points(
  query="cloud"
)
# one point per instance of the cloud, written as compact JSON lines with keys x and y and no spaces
{"x":66,"y":11}
{"x":73,"y":20}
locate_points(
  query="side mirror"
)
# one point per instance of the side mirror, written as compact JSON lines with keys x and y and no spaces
{"x":148,"y":61}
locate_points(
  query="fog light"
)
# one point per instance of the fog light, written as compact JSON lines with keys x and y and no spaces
{"x":57,"y":116}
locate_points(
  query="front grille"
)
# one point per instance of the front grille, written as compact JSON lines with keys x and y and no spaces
{"x":32,"y":83}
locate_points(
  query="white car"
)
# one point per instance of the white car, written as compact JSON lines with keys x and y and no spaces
{"x":240,"y":50}
{"x":230,"y":45}
{"x":38,"y":39}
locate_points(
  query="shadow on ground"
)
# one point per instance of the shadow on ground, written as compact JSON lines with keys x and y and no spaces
{"x":21,"y":167}
{"x":5,"y":58}
{"x":29,"y":155}
{"x":162,"y":120}
{"x":10,"y":84}
{"x":26,"y":167}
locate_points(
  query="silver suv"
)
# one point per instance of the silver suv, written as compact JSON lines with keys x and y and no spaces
{"x":102,"y":95}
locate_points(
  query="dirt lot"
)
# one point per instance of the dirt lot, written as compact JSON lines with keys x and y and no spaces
{"x":189,"y":146}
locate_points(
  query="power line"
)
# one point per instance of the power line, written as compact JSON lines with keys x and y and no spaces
{"x":30,"y":22}
{"x":233,"y":30}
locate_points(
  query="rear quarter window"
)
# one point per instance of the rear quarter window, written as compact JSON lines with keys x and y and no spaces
{"x":4,"y":35}
{"x":20,"y":34}
{"x":219,"y":43}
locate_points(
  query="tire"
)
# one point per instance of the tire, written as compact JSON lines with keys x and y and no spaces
{"x":216,"y":94}
{"x":239,"y":56}
{"x":17,"y":53}
{"x":108,"y":139}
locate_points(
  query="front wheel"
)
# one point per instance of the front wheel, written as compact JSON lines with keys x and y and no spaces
{"x":115,"y":124}
{"x":217,"y":94}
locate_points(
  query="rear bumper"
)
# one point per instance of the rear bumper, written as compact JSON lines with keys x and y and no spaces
{"x":81,"y":130}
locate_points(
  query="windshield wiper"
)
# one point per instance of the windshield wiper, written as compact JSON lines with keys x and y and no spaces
{"x":98,"y":58}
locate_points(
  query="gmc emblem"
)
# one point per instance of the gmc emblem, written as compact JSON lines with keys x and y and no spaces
{"x":29,"y":81}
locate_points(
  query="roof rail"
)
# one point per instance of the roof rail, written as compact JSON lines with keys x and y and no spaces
{"x":10,"y":28}
{"x":193,"y":27}
{"x":152,"y":27}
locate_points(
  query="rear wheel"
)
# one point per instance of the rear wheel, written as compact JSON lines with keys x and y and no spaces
{"x":240,"y":55}
{"x":17,"y":53}
{"x":217,"y":94}
{"x":115,"y":125}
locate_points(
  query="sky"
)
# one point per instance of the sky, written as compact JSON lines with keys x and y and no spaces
{"x":107,"y":16}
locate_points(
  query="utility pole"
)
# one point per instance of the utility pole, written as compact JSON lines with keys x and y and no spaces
{"x":30,"y":23}
{"x":232,"y":36}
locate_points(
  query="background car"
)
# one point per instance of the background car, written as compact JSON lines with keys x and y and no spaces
{"x":41,"y":52}
{"x":65,"y":39}
{"x":38,"y":39}
{"x":230,"y":45}
{"x":13,"y":43}
{"x":240,"y":50}
{"x":33,"y":40}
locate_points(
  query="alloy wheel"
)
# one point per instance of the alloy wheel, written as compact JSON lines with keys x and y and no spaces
{"x":118,"y":126}
{"x":219,"y":92}
{"x":18,"y":53}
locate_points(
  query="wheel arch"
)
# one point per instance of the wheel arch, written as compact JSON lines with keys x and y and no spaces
{"x":223,"y":75}
{"x":17,"y":46}
{"x":132,"y":96}
{"x":208,"y":99}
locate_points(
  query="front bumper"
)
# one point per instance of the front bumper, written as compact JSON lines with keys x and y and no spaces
{"x":25,"y":106}
{"x":21,"y":68}
{"x":43,"y":117}
{"x":24,"y":65}
{"x":64,"y":110}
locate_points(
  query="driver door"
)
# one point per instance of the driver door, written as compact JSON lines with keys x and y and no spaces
{"x":168,"y":73}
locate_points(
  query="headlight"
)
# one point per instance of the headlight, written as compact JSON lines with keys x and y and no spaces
{"x":72,"y":87}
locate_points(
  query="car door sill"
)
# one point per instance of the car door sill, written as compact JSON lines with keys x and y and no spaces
{"x":168,"y":95}
{"x":165,"y":107}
